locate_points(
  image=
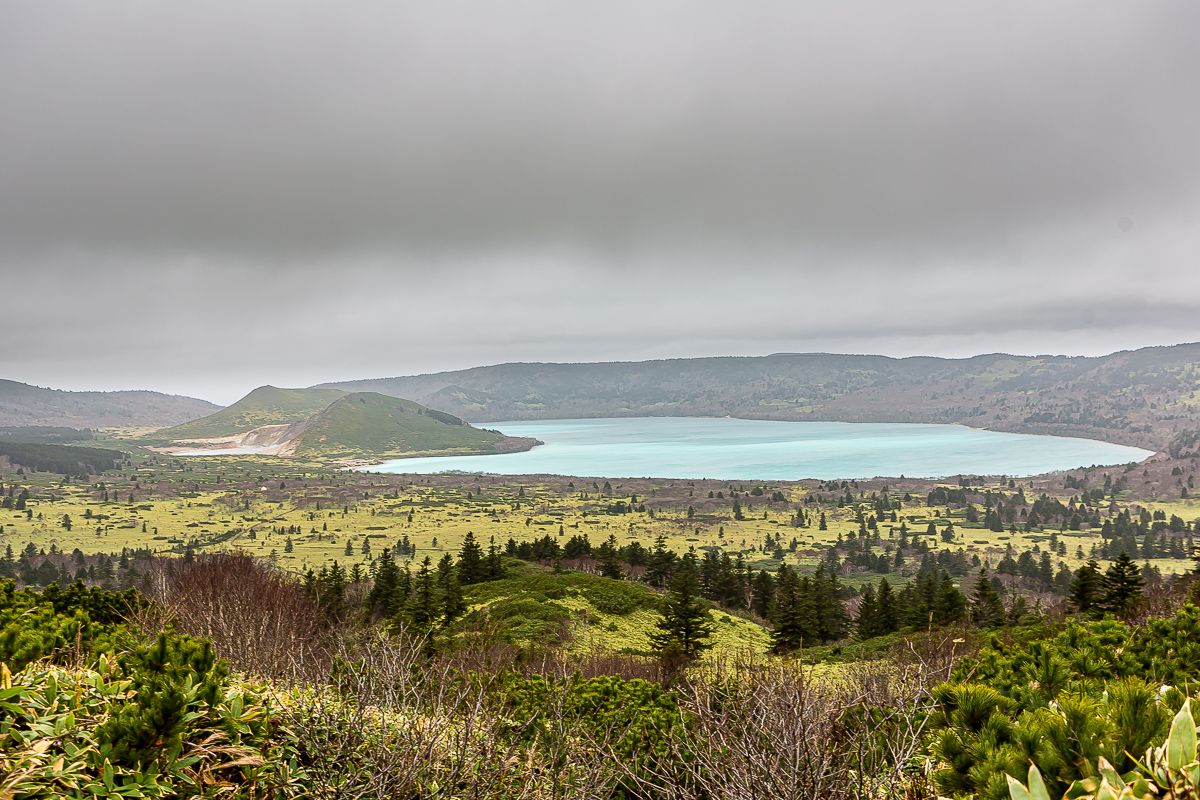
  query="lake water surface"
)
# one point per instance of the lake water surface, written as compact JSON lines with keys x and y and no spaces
{"x":737,"y":449}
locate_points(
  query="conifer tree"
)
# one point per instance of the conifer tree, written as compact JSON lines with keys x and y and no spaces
{"x":986,"y":609}
{"x":658,"y":572}
{"x":610,"y":563}
{"x":494,"y":567}
{"x":422,"y":605}
{"x":471,"y":568}
{"x":452,"y":605}
{"x":762,"y":594}
{"x":685,"y":627}
{"x":1122,"y":585}
{"x":382,"y":598}
{"x":868,"y":615}
{"x":886,"y":607}
{"x":1086,"y":587}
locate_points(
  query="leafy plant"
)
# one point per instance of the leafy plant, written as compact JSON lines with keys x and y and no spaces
{"x":1168,"y":772}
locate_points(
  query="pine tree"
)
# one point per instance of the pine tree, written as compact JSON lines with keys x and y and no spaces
{"x":793,"y":617}
{"x":451,"y":593}
{"x":662,"y":560}
{"x":762,"y":594}
{"x":494,"y":566}
{"x":685,"y":626}
{"x":832,"y":620}
{"x":1122,"y":585}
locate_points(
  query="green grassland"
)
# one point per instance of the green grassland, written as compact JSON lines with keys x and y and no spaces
{"x":534,"y":606}
{"x":240,"y":502}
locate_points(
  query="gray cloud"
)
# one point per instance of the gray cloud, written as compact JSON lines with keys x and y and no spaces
{"x":220,"y":195}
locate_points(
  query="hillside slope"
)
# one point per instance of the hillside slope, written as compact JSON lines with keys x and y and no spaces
{"x":587,"y":613}
{"x":266,"y":405}
{"x":330,"y":423}
{"x":25,"y":405}
{"x":368,"y":423}
{"x":1141,"y":397}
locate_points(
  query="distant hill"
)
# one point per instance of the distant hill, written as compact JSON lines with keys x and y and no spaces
{"x":330,"y":423}
{"x":24,"y":405}
{"x":1142,"y":397}
{"x":372,"y":423}
{"x":266,"y":405}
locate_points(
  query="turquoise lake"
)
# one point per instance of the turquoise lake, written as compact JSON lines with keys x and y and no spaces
{"x":737,"y":449}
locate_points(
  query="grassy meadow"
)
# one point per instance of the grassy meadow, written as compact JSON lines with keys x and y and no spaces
{"x":256,"y":504}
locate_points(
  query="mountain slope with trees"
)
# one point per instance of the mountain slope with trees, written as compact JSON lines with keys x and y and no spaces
{"x":24,"y":405}
{"x":1142,"y":397}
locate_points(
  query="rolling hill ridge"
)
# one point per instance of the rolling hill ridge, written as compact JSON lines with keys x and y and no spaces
{"x":351,"y":425}
{"x":1142,"y":397}
{"x":24,"y":405}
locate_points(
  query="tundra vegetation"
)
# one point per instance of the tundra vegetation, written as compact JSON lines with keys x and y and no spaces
{"x":263,"y":628}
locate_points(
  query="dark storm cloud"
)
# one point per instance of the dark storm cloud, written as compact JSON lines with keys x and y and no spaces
{"x":228,"y":194}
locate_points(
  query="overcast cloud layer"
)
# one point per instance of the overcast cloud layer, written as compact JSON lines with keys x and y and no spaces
{"x":205,"y":197}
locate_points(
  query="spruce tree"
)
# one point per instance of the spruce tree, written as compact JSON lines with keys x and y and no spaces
{"x":452,"y":605}
{"x":685,"y":627}
{"x":1122,"y":585}
{"x":610,"y":563}
{"x":886,"y":607}
{"x":762,"y":594}
{"x":471,"y":568}
{"x":1086,"y":587}
{"x":868,"y":615}
{"x":986,"y":609}
{"x":422,"y":605}
{"x":382,"y":598}
{"x":662,"y":560}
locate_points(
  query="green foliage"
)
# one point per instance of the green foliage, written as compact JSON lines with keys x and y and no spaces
{"x":172,"y":681}
{"x":1061,"y":698}
{"x":1171,"y":770}
{"x":644,"y":716}
{"x":685,"y":628}
{"x":50,"y":747}
{"x":266,"y":405}
{"x":65,"y":626}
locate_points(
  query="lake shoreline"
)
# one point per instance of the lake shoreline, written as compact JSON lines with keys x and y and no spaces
{"x":1111,"y":454}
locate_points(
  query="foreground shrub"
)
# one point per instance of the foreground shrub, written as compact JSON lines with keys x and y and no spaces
{"x":56,"y":727}
{"x":1060,"y":698}
{"x":72,"y":625}
{"x":1168,"y":772}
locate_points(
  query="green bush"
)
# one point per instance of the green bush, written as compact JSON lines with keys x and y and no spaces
{"x":1171,"y":770}
{"x":643,"y":716}
{"x":1062,"y":699}
{"x":66,"y":626}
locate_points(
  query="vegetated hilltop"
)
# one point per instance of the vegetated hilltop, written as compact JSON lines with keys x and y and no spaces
{"x":25,"y":405}
{"x":266,"y":405}
{"x":330,"y":423}
{"x":1141,"y":397}
{"x":371,"y":423}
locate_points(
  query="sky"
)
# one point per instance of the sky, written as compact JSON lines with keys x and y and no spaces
{"x":201,"y":198}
